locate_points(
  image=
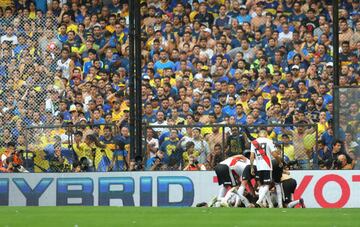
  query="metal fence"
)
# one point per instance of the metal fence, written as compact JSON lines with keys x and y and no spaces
{"x":28,"y":75}
{"x":349,"y":112}
{"x":103,"y":148}
{"x":210,"y":144}
{"x":74,"y":148}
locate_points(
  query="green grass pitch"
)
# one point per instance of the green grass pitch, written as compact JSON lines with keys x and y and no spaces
{"x":172,"y":217}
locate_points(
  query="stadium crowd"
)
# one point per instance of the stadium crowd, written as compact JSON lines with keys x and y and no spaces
{"x":65,"y":63}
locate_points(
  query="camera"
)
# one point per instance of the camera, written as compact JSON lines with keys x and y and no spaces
{"x":17,"y":168}
{"x":337,"y":164}
{"x":138,"y":163}
{"x":194,"y":163}
{"x":292,"y":164}
{"x":85,"y":164}
{"x":325,"y":163}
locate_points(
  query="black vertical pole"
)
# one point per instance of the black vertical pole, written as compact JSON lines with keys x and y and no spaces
{"x":131,"y":79}
{"x":139,"y":135}
{"x":336,"y":102}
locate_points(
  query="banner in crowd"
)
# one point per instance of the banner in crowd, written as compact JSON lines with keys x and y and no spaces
{"x":318,"y":188}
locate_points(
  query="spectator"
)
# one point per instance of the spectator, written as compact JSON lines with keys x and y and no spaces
{"x":121,"y":158}
{"x":200,"y":145}
{"x":237,"y":143}
{"x":289,"y":151}
{"x":9,"y":36}
{"x":215,"y":157}
{"x":152,"y":143}
{"x":168,"y":147}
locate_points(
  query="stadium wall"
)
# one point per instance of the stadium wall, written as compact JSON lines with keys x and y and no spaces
{"x":328,"y":189}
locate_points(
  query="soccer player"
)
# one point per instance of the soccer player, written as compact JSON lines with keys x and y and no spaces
{"x":277,"y":173}
{"x":262,"y":149}
{"x":288,"y":186}
{"x":229,"y":173}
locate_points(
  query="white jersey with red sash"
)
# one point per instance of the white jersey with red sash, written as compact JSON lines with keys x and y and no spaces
{"x":236,"y":165}
{"x":262,"y":148}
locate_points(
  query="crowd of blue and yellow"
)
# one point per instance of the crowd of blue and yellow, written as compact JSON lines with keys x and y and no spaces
{"x":196,"y":55}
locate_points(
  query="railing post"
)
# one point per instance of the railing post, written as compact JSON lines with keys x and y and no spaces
{"x":223,"y":141}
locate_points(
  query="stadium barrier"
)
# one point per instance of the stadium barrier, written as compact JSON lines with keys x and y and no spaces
{"x":319,"y":189}
{"x":298,"y":151}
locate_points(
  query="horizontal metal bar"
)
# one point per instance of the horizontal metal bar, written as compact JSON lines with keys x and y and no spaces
{"x":228,"y":125}
{"x":65,"y":126}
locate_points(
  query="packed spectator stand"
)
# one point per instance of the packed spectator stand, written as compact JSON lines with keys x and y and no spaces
{"x":213,"y":72}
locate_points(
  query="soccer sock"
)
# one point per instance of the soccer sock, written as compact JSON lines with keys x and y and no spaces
{"x":268,"y":199}
{"x":279,"y":195}
{"x":293,"y":204}
{"x":222,"y":192}
{"x":241,"y":190}
{"x":262,"y":193}
{"x":241,"y":196}
{"x":237,"y":202}
{"x":227,"y":196}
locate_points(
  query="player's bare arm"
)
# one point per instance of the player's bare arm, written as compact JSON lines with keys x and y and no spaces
{"x":252,"y":157}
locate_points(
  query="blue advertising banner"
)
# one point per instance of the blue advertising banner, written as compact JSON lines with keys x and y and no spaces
{"x":328,"y":189}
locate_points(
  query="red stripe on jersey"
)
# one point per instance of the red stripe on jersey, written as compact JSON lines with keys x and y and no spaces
{"x":236,"y":175}
{"x":262,"y":152}
{"x":234,"y":161}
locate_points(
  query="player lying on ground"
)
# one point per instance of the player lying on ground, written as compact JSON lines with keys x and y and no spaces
{"x":229,"y":173}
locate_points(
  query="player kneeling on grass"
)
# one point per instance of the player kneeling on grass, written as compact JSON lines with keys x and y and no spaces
{"x":229,"y":173}
{"x":287,"y":189}
{"x":262,"y":149}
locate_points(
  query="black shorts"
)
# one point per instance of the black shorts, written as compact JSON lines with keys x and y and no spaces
{"x":225,"y":176}
{"x":277,"y":172}
{"x":264,"y":176}
{"x":247,"y":173}
{"x":288,"y":187}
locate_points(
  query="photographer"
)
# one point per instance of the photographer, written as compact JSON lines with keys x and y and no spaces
{"x":28,"y":158}
{"x":338,"y":155}
{"x":155,"y":162}
{"x":136,"y":164}
{"x":76,"y":167}
{"x":342,"y":163}
{"x":194,"y":165}
{"x":58,"y":163}
{"x":11,"y":160}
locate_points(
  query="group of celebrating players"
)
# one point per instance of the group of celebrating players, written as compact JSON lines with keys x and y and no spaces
{"x":267,"y":182}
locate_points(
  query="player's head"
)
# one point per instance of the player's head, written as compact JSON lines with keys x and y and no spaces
{"x":263,"y":133}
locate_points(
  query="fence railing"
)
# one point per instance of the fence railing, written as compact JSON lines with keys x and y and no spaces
{"x":103,"y":148}
{"x":210,"y":144}
{"x":73,"y":148}
{"x":349,"y":115}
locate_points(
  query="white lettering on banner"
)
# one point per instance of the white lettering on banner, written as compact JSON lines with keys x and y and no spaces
{"x":328,"y":189}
